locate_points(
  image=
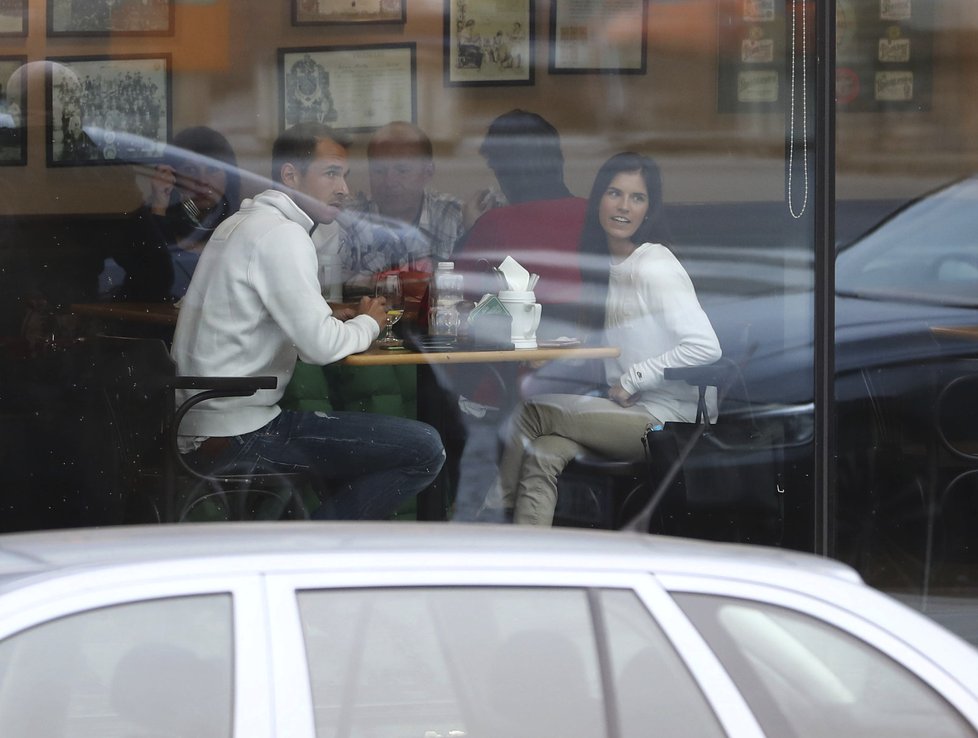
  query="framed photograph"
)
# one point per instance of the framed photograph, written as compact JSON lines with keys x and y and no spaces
{"x":330,"y":12}
{"x":488,"y":42}
{"x":13,"y":17}
{"x":108,"y":110}
{"x":110,"y":17}
{"x":598,"y":37}
{"x":13,"y":105}
{"x":352,"y":88}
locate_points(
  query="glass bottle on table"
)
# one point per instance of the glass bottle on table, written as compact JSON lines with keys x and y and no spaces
{"x":446,"y":288}
{"x":389,"y":287}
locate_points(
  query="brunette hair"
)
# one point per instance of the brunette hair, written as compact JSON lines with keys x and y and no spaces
{"x":297,"y":145}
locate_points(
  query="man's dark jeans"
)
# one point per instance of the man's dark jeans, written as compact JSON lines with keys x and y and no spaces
{"x":371,"y":464}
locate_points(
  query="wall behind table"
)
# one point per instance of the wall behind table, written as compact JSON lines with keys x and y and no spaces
{"x":225,"y":75}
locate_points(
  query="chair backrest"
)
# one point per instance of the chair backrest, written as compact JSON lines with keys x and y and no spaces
{"x":135,"y":377}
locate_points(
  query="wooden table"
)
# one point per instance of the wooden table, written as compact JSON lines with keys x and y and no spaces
{"x":431,"y":405}
{"x":157,"y":313}
{"x":388,"y":357}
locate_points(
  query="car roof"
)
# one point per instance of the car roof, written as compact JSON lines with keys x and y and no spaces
{"x":397,"y":545}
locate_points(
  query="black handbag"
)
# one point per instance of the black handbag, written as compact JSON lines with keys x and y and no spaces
{"x":732,"y":467}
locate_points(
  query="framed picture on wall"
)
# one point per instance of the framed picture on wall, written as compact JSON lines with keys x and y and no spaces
{"x":598,"y":37}
{"x":488,"y":42}
{"x":329,"y":12}
{"x":13,"y":108}
{"x":352,"y":88}
{"x":110,"y":17}
{"x":108,"y":110}
{"x":13,"y":17}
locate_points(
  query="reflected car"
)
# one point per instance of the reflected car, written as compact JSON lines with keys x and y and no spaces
{"x":913,"y":272}
{"x":381,"y":630}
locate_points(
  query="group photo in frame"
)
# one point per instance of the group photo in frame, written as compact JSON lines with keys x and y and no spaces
{"x":598,"y":37}
{"x":107,"y":109}
{"x":13,"y":18}
{"x":342,"y":12}
{"x":110,"y":17}
{"x":351,"y":88}
{"x":488,"y":42}
{"x":13,"y":108}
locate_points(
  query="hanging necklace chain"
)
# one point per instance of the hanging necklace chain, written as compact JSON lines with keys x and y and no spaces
{"x":804,"y":111}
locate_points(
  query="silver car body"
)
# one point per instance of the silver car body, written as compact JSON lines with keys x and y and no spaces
{"x":44,"y":576}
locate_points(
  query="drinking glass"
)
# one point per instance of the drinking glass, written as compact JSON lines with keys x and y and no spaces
{"x":389,"y":287}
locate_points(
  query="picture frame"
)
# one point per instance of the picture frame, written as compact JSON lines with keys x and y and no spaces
{"x":13,"y":18}
{"x":596,"y":37}
{"x":13,"y":141}
{"x":108,"y":109}
{"x":110,"y":17}
{"x":343,"y":12}
{"x":489,"y":43}
{"x":349,"y":88}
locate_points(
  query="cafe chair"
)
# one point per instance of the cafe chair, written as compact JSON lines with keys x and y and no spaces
{"x":727,"y":485}
{"x":138,"y":381}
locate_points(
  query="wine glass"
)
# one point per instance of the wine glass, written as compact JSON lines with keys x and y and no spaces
{"x":389,"y":287}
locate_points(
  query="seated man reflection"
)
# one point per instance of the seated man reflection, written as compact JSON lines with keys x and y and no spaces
{"x":253,"y":307}
{"x":405,"y":223}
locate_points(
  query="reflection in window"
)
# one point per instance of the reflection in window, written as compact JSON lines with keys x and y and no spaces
{"x":491,"y":662}
{"x":145,"y":670}
{"x":808,"y":679}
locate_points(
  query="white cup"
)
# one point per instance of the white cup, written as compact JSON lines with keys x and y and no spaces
{"x":523,"y":307}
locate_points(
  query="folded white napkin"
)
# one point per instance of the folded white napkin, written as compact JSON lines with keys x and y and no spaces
{"x":517,"y":278}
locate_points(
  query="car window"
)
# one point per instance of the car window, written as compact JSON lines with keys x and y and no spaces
{"x":485,"y":662}
{"x":654,"y":689}
{"x":805,"y":678}
{"x":154,"y":669}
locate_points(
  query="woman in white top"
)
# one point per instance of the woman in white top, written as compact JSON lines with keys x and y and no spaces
{"x":651,"y":314}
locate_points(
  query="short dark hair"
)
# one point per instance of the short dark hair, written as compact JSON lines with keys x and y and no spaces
{"x":297,"y":145}
{"x":523,"y":150}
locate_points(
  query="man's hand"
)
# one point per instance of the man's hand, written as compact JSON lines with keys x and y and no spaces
{"x":160,"y":188}
{"x":620,"y":395}
{"x":375,"y":307}
{"x":479,"y":203}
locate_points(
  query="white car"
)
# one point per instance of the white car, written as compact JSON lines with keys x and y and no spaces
{"x":412,"y":631}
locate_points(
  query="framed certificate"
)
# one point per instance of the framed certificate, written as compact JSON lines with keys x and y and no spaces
{"x":353,"y":88}
{"x":339,"y":12}
{"x":598,"y":37}
{"x":110,"y":17}
{"x":13,"y":18}
{"x":488,"y":42}
{"x":107,"y":110}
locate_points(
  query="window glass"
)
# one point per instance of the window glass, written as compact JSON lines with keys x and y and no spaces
{"x":653,"y":687}
{"x":905,"y":217}
{"x":807,"y":678}
{"x":392,"y":662}
{"x":144,"y":670}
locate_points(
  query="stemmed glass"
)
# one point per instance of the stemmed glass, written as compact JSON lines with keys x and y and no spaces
{"x":389,"y":287}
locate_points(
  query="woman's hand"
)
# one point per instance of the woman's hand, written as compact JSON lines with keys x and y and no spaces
{"x":620,"y":395}
{"x":160,"y":188}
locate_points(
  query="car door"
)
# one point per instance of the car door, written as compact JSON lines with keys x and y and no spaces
{"x":492,"y":653}
{"x":811,"y":668}
{"x":141,"y":652}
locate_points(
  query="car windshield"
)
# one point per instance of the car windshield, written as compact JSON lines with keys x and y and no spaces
{"x":925,"y":252}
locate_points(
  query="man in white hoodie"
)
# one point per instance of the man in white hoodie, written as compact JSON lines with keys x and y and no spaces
{"x":253,"y":307}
